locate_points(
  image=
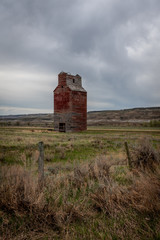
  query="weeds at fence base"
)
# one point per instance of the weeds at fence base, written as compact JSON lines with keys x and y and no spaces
{"x":87,"y":202}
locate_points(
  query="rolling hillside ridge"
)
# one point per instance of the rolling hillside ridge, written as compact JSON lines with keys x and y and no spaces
{"x":134,"y":116}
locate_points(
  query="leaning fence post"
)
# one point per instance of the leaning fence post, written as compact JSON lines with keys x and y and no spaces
{"x":41,"y":164}
{"x":128,"y":156}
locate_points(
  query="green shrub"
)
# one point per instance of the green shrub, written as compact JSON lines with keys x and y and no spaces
{"x":154,"y":123}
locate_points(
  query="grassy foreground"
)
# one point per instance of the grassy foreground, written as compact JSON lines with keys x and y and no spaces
{"x":88,"y":192}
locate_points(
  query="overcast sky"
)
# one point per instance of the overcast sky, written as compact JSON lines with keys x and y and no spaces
{"x":113,"y":44}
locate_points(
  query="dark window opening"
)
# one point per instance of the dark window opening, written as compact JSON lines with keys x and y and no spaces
{"x":62,"y":86}
{"x":62,"y":127}
{"x":73,"y":80}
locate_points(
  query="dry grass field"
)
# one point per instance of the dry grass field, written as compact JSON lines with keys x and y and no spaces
{"x":89,"y":192}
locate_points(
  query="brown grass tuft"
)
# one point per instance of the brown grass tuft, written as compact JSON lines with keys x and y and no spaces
{"x":145,"y":157}
{"x":18,"y":190}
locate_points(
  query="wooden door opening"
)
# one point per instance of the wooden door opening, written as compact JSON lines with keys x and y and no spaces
{"x":62,"y":127}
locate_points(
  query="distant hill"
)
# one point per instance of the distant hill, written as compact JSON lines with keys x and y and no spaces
{"x":44,"y":120}
{"x":134,"y":116}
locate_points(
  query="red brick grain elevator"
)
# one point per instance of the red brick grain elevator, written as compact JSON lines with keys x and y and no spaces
{"x":70,"y":104}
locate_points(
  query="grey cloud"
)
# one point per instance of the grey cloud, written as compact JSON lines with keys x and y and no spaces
{"x":113,"y":45}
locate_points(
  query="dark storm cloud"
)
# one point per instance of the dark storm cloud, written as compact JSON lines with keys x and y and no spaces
{"x":114,"y":45}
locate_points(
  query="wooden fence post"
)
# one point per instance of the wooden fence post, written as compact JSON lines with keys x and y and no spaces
{"x":128,"y":156}
{"x":41,"y":164}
